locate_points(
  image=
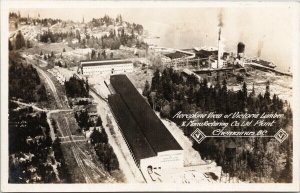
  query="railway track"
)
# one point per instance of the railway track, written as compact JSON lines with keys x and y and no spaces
{"x":47,"y":78}
{"x":91,"y":172}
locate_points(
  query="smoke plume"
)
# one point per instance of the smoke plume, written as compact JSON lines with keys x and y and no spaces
{"x":259,"y":48}
{"x":220,"y":17}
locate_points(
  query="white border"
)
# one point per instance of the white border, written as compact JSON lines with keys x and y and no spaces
{"x":6,"y":5}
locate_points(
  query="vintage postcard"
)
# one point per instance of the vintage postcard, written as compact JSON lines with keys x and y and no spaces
{"x":149,"y":96}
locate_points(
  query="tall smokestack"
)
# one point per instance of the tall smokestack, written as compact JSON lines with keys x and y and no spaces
{"x":220,"y":46}
{"x":240,"y":53}
{"x":220,"y":49}
{"x":240,"y":49}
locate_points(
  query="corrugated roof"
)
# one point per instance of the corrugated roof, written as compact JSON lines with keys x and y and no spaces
{"x":158,"y":136}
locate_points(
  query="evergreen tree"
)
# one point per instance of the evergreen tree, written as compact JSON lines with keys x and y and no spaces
{"x":224,"y":86}
{"x":104,"y":136}
{"x":155,"y":80}
{"x":104,"y":54}
{"x":166,"y":110}
{"x":10,"y":46}
{"x":286,"y":175}
{"x":253,"y":90}
{"x":255,"y":159}
{"x":146,"y":90}
{"x":96,"y":137}
{"x":267,"y":93}
{"x":20,"y":41}
{"x":244,"y":90}
{"x":16,"y":25}
{"x":99,"y":121}
{"x":93,"y":54}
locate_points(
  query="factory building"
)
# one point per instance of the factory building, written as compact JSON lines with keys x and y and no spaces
{"x":150,"y":142}
{"x":116,"y":66}
{"x":211,"y":58}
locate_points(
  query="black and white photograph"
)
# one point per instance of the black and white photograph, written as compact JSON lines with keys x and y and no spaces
{"x":149,"y":96}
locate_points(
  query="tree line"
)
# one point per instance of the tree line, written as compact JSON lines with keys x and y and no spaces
{"x":171,"y":92}
{"x":25,"y":83}
{"x":35,"y":21}
{"x":19,"y":42}
{"x":111,"y":41}
{"x":107,"y":20}
{"x":103,"y":150}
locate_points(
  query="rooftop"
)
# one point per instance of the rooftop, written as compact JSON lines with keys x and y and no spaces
{"x":86,"y":63}
{"x":155,"y":132}
{"x":206,"y":53}
{"x":176,"y":55}
{"x":109,"y":59}
{"x":131,"y":131}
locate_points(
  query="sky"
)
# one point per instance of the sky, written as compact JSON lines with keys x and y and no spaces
{"x":270,"y":28}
